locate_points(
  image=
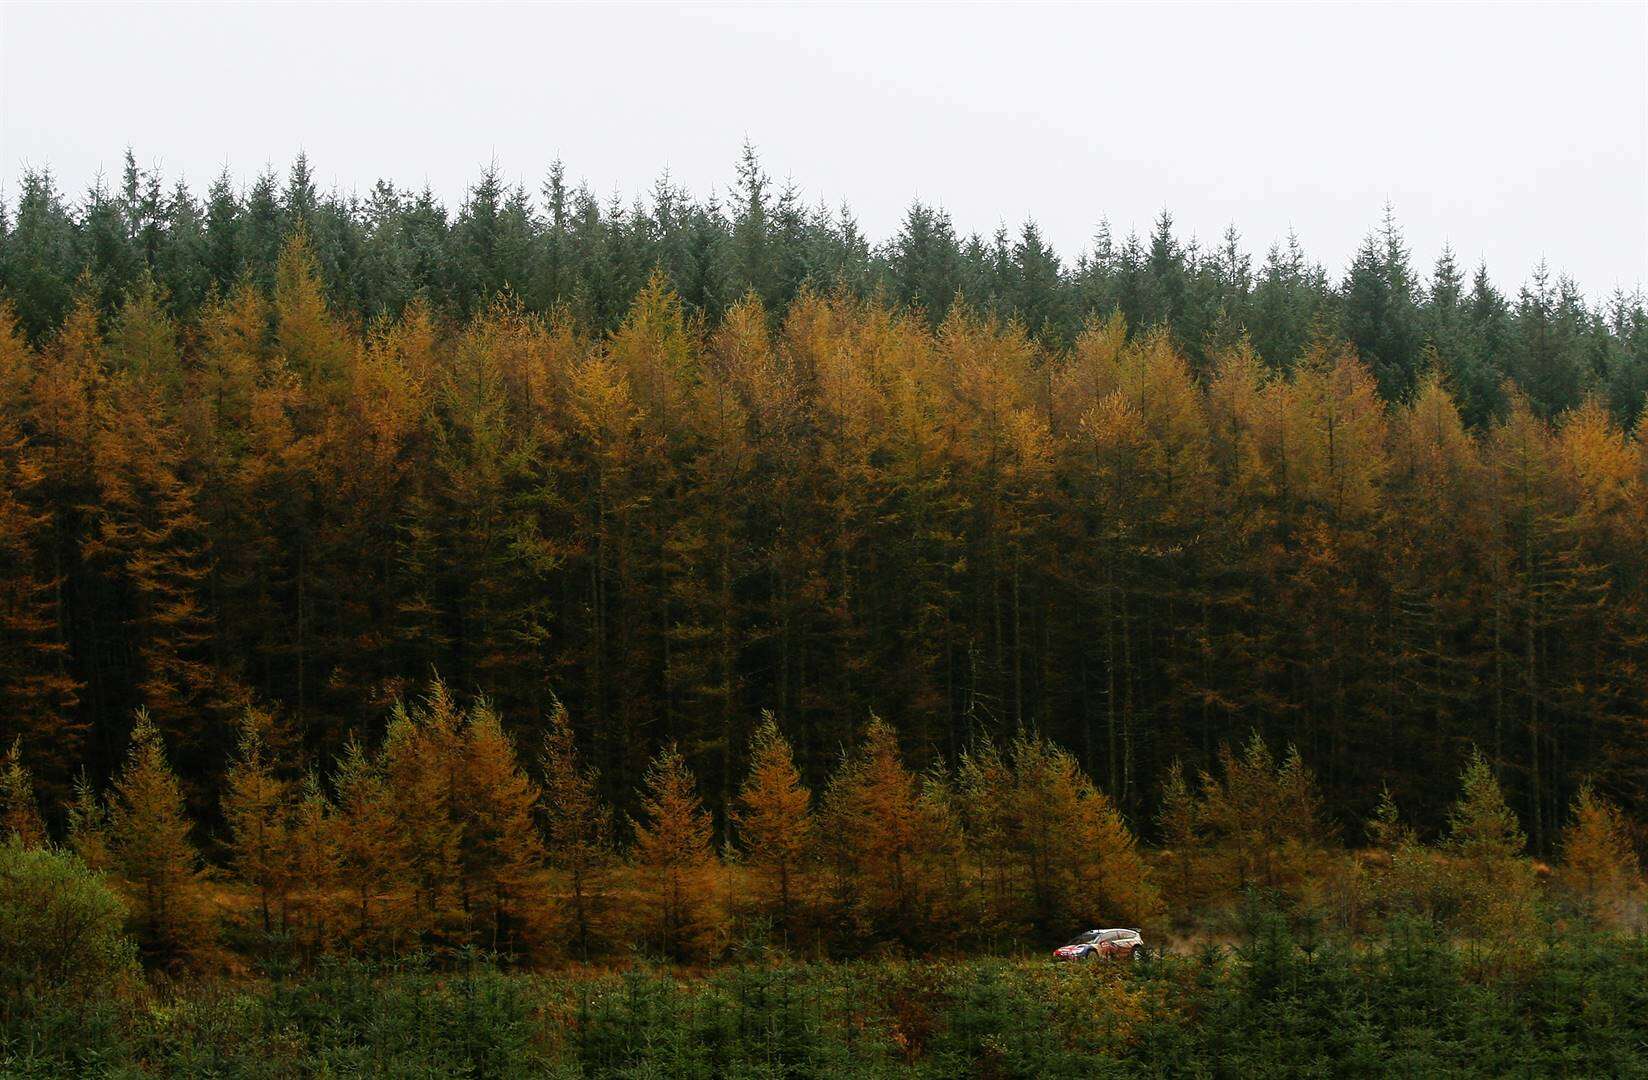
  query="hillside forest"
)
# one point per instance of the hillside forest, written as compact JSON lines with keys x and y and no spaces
{"x":511,"y":577}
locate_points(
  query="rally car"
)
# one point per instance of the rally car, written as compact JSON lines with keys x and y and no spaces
{"x":1099,"y":944}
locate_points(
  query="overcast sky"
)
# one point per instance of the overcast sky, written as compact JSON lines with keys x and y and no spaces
{"x":1516,"y":132}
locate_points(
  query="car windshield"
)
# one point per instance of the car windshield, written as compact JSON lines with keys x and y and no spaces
{"x":1087,"y":938}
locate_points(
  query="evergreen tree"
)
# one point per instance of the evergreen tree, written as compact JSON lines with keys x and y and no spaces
{"x":578,"y":828}
{"x":1496,"y":880}
{"x":256,"y":807}
{"x":19,"y":811}
{"x":40,"y":264}
{"x":1380,"y":315}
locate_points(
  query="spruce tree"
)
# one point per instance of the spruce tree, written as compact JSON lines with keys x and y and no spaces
{"x":19,"y":812}
{"x":1495,"y":879}
{"x":578,"y":828}
{"x":257,"y":808}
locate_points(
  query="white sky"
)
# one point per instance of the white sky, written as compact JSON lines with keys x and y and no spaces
{"x":1516,"y":132}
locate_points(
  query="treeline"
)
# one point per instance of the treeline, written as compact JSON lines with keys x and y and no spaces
{"x":440,"y":838}
{"x":676,"y":525}
{"x":564,"y":248}
{"x":441,"y":841}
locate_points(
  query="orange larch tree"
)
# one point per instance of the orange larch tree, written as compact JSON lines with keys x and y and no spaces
{"x":151,"y":855}
{"x":773,"y":817}
{"x":884,"y":841}
{"x":422,"y":763}
{"x":372,"y":861}
{"x":1599,"y":861}
{"x":257,"y":808}
{"x":500,"y":855}
{"x":679,"y":895}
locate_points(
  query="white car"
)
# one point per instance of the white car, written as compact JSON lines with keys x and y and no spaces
{"x":1099,"y":944}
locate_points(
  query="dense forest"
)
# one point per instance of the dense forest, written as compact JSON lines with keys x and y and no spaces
{"x":678,"y":463}
{"x":389,"y":597}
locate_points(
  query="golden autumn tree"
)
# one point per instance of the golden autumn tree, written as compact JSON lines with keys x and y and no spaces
{"x":611,"y":452}
{"x":314,"y":345}
{"x":314,"y":863}
{"x":884,"y":841}
{"x":1435,"y":551}
{"x":678,"y":903}
{"x":372,"y":452}
{"x":36,"y":693}
{"x":19,"y":812}
{"x":422,"y":761}
{"x":1001,"y":445}
{"x":257,"y":811}
{"x":432,"y":839}
{"x":983,"y":777}
{"x":578,"y":830}
{"x":773,"y":815}
{"x":1593,"y":684}
{"x":833,"y":346}
{"x":1110,"y":878}
{"x":1386,"y":830}
{"x":371,"y":858}
{"x":475,"y":549}
{"x":707,"y":550}
{"x":89,"y":825}
{"x":152,"y":541}
{"x":501,"y":855}
{"x":1538,"y":585}
{"x":1065,"y":855}
{"x":44,"y":483}
{"x":153,"y":860}
{"x":1599,"y":862}
{"x":1403,"y":877}
{"x":1261,"y":817}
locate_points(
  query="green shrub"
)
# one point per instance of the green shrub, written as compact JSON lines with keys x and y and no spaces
{"x":60,"y":927}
